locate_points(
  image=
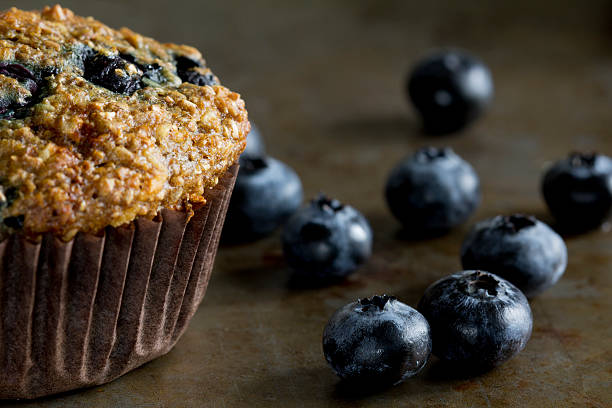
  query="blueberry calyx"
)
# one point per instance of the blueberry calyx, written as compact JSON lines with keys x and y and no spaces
{"x":578,"y":159}
{"x":326,"y":204}
{"x":375,"y":302}
{"x":516,"y":222}
{"x":430,"y":153}
{"x":481,"y":285}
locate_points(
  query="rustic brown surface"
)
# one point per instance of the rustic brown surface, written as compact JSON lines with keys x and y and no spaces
{"x":325,"y":83}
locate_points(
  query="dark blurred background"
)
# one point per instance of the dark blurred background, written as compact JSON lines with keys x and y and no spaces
{"x":347,"y":56}
{"x":318,"y":69}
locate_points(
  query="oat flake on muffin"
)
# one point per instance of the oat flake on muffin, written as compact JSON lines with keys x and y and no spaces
{"x":99,"y":126}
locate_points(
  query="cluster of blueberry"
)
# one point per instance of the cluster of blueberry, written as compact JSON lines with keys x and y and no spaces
{"x":322,"y":242}
{"x":98,"y":69}
{"x":476,"y":319}
{"x":102,"y":70}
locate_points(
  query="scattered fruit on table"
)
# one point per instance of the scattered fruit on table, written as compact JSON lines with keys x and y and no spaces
{"x":326,"y":240}
{"x":478,"y":320}
{"x":376,"y":341}
{"x":519,"y":248}
{"x":432,"y":191}
{"x":266,"y":194}
{"x":450,"y":89}
{"x":578,"y":191}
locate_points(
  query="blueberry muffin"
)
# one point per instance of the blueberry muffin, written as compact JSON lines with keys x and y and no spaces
{"x":117,"y":161}
{"x":100,"y":126}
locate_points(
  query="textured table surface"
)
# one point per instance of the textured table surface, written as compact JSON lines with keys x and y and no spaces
{"x":324,"y":81}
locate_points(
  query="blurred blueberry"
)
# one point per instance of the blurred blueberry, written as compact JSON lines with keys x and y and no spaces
{"x":578,"y":191}
{"x":266,"y":193}
{"x":432,"y":191}
{"x":519,"y":248}
{"x":255,"y":146}
{"x":450,"y":89}
{"x":326,"y":240}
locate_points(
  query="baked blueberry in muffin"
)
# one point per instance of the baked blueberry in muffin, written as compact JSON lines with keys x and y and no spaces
{"x":100,"y":129}
{"x":99,"y":126}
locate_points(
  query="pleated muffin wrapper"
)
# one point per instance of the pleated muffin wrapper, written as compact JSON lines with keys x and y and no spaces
{"x":85,"y":312}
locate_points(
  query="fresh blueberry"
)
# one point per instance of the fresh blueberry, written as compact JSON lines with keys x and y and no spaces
{"x":578,"y":191}
{"x":326,"y":240}
{"x":432,"y":191}
{"x":185,"y":70}
{"x":450,"y":89}
{"x":478,"y":320}
{"x":102,"y":70}
{"x":266,"y":193}
{"x":376,"y":342}
{"x":255,"y":146}
{"x":518,"y":248}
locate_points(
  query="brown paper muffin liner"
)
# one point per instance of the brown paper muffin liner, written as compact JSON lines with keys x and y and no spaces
{"x":85,"y":312}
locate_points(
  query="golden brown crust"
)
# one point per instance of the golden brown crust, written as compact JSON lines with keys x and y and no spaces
{"x":85,"y":157}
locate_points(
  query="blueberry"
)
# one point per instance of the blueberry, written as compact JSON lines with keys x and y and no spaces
{"x":450,"y":89}
{"x":10,"y":106}
{"x":267,"y":192}
{"x":15,"y":222}
{"x":20,"y":73}
{"x":376,"y":342}
{"x":432,"y":191}
{"x":578,"y":191}
{"x":478,"y":320}
{"x":326,"y":240}
{"x":255,"y":146}
{"x":154,"y":72}
{"x":185,"y":70}
{"x":102,"y":70}
{"x":518,"y":248}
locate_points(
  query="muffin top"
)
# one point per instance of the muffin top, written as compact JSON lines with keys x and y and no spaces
{"x":99,"y":126}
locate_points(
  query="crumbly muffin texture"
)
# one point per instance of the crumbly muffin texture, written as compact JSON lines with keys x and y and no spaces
{"x":99,"y":126}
